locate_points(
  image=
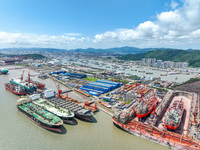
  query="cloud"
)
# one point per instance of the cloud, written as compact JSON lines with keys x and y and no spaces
{"x":174,"y":27}
{"x":25,"y":39}
{"x":72,"y":34}
{"x":174,"y":4}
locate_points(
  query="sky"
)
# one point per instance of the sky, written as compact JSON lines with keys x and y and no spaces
{"x":71,"y":24}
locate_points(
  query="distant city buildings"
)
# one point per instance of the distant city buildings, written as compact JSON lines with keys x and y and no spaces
{"x":163,"y":64}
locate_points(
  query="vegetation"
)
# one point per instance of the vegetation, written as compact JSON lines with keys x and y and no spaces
{"x":192,"y":57}
{"x":108,"y":57}
{"x":191,"y":80}
{"x":91,"y":79}
{"x":31,"y":56}
{"x":128,"y":101}
{"x":34,"y":56}
{"x":120,"y":80}
{"x":116,"y":50}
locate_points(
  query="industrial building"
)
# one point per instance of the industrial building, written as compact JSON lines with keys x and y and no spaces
{"x":99,"y":87}
{"x":73,"y":75}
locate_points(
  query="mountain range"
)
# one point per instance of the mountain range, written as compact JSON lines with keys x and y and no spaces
{"x":116,"y":50}
{"x":192,"y":57}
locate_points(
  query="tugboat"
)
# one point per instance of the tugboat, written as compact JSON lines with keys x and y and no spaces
{"x":174,"y":115}
{"x":66,"y":115}
{"x":16,"y":89}
{"x":145,"y":107}
{"x":39,"y":115}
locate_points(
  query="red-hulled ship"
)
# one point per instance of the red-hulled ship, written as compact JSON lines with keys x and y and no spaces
{"x":16,"y":89}
{"x":174,"y":115}
{"x":36,"y":83}
{"x":145,"y":107}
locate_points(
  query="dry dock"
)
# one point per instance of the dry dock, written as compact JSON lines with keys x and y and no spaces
{"x":152,"y":127}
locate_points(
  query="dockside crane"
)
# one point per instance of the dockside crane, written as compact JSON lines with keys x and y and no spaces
{"x":22,"y":76}
{"x":29,"y":76}
{"x":58,"y":87}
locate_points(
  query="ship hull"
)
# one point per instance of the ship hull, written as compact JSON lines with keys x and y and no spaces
{"x":38,"y":84}
{"x":65,"y":104}
{"x":86,"y":118}
{"x":144,"y":115}
{"x":14,"y":92}
{"x":176,"y":105}
{"x":171,"y":127}
{"x":4,"y":72}
{"x":68,"y":120}
{"x":39,"y":123}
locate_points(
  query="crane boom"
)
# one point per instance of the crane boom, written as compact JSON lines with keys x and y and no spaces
{"x":58,"y":87}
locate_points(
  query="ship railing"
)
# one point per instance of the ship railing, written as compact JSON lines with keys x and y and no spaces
{"x":23,"y":100}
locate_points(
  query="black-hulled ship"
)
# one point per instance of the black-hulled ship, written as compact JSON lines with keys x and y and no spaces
{"x":39,"y":115}
{"x":79,"y":111}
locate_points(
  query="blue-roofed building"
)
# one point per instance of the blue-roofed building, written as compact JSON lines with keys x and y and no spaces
{"x":110,"y":82}
{"x":102,"y":86}
{"x":97,"y":88}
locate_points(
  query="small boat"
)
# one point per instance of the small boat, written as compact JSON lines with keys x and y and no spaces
{"x":163,"y":74}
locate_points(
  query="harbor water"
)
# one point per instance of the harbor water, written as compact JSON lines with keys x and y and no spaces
{"x":19,"y":133}
{"x":133,"y":70}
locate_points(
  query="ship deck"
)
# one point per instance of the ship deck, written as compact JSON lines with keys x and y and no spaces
{"x":183,"y":127}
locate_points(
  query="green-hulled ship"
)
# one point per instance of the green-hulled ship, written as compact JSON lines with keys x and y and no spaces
{"x":39,"y":115}
{"x":66,"y":115}
{"x":29,"y":87}
{"x":3,"y":71}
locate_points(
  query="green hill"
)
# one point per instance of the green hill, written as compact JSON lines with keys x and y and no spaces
{"x":192,"y":57}
{"x":31,"y":56}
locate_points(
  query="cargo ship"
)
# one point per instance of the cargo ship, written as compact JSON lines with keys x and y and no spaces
{"x":3,"y":71}
{"x":39,"y":115}
{"x":29,"y":87}
{"x":38,"y":84}
{"x":66,"y":115}
{"x":146,"y":131}
{"x":174,"y":115}
{"x":16,"y":89}
{"x":78,"y":110}
{"x":145,"y":107}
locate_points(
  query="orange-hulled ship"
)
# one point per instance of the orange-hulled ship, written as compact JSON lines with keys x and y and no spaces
{"x":174,"y":115}
{"x":16,"y":89}
{"x":145,"y":107}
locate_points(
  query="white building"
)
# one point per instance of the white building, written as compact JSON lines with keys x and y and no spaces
{"x":159,"y":63}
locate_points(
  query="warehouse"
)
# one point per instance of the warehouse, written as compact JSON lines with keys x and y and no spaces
{"x":117,"y":84}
